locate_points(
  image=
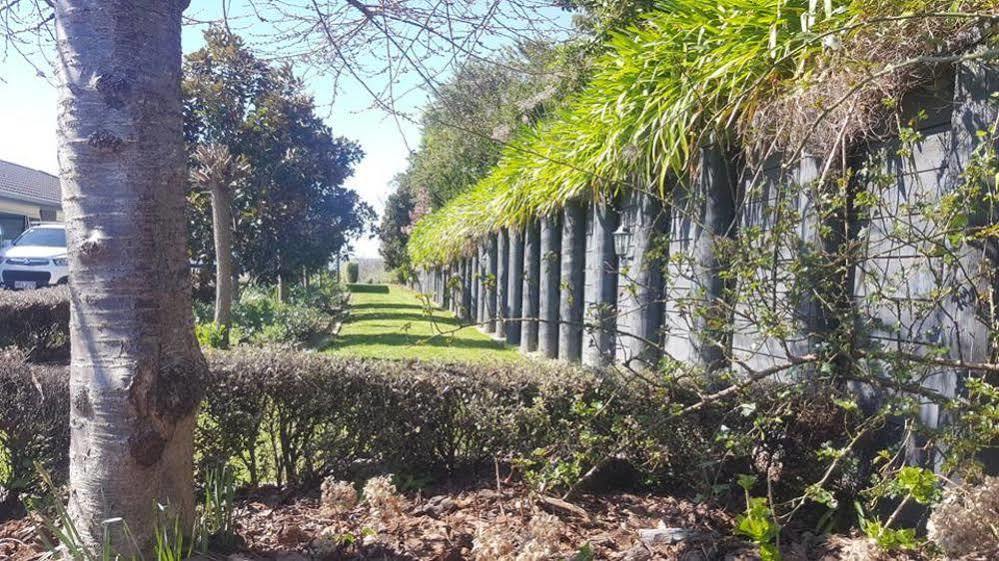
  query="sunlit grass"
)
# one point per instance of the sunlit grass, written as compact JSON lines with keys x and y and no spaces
{"x":398,"y":325}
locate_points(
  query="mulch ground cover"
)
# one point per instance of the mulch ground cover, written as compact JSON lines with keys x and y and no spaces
{"x":481,"y":522}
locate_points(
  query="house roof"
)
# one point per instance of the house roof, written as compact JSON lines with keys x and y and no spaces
{"x":25,"y":184}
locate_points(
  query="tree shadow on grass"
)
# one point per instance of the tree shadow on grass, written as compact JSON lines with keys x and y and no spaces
{"x":413,"y":340}
{"x":406,"y":316}
{"x":385,"y":306}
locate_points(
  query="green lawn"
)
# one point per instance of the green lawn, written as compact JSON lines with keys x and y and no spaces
{"x":393,"y":322}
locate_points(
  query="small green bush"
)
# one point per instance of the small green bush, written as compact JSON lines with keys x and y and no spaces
{"x":353,"y":272}
{"x":34,"y":420}
{"x":370,"y":288}
{"x":36,"y":321}
{"x":306,"y":319}
{"x":214,"y":336}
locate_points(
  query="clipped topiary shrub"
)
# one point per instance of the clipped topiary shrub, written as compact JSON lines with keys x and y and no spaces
{"x":353,"y":272}
{"x":36,"y":321}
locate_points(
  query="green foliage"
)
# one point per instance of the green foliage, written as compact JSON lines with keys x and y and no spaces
{"x":603,"y":17}
{"x":585,"y":553}
{"x":393,"y":233}
{"x":480,"y":107}
{"x":758,"y":524}
{"x":213,"y":336}
{"x":919,"y":483}
{"x":216,"y":528}
{"x":306,"y":319}
{"x":889,"y":538}
{"x":171,"y":541}
{"x":353,"y":272}
{"x":883,"y":535}
{"x":677,"y":79}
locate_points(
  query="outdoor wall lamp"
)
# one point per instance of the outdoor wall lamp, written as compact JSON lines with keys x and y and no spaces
{"x":622,"y":241}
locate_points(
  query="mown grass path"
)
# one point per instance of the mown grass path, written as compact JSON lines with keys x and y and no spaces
{"x":395,"y":322}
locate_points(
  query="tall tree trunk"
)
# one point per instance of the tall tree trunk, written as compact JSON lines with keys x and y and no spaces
{"x":282,"y":288}
{"x":136,"y":368}
{"x":222,"y":226}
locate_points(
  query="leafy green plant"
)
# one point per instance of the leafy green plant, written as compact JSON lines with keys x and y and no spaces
{"x":216,"y":526}
{"x":171,"y":543}
{"x":213,"y":336}
{"x":889,"y":538}
{"x":921,"y":484}
{"x":758,"y":522}
{"x":353,"y":272}
{"x":883,"y":535}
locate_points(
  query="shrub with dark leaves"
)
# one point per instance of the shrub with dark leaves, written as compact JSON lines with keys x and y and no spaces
{"x":36,"y":321}
{"x":298,"y":417}
{"x":295,"y":418}
{"x":34,"y":421}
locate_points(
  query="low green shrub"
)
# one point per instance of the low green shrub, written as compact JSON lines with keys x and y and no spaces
{"x":36,"y":321}
{"x":335,"y":415}
{"x":306,"y":320}
{"x":34,"y":421}
{"x":370,"y":288}
{"x":295,"y":418}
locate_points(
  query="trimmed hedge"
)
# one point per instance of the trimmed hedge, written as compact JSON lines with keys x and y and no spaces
{"x":296,"y":417}
{"x":36,"y":321}
{"x":339,"y":415}
{"x":34,"y":421}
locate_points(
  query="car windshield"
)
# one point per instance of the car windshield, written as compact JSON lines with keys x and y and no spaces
{"x":46,"y":237}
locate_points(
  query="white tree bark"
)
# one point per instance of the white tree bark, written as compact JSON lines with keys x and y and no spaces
{"x":136,"y":368}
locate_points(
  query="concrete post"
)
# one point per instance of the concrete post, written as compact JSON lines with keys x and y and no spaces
{"x":713,"y":214}
{"x":570,"y":336}
{"x":454,"y":287}
{"x":502,"y":280}
{"x":549,"y":285}
{"x":445,"y":287}
{"x":530,"y":290}
{"x":515,"y":286}
{"x":466,"y":291}
{"x":483,"y":273}
{"x":600,"y":285}
{"x":964,"y":329}
{"x":491,"y":282}
{"x":476,"y":287}
{"x":640,"y":284}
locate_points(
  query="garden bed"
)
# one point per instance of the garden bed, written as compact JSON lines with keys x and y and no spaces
{"x":478,"y":522}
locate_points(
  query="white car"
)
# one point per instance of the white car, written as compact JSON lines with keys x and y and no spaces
{"x":35,"y":258}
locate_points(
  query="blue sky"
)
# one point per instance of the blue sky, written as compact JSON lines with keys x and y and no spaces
{"x":28,"y":113}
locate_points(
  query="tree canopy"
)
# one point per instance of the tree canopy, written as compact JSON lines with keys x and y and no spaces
{"x":292,"y":211}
